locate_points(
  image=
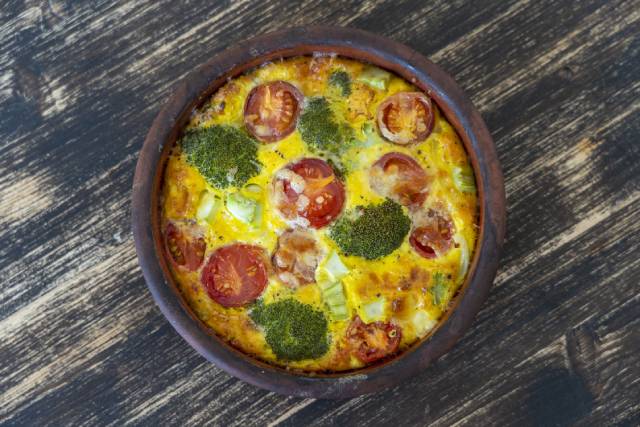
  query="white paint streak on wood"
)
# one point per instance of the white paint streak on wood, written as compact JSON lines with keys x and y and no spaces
{"x":57,"y":99}
{"x":591,"y":219}
{"x":21,"y":206}
{"x":32,"y":199}
{"x":157,"y":401}
{"x":571,"y":164}
{"x":291,"y":411}
{"x":102,"y":334}
{"x":170,"y":47}
{"x":6,"y":84}
{"x":469,"y":38}
{"x":555,"y":347}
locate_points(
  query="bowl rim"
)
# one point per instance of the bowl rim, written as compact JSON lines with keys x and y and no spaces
{"x":361,"y":45}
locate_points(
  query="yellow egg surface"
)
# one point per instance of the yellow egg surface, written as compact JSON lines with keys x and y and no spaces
{"x":368,"y":309}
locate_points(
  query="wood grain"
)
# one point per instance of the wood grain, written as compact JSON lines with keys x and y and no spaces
{"x":81,"y":341}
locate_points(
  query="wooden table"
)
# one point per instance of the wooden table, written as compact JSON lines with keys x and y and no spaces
{"x":557,"y":343}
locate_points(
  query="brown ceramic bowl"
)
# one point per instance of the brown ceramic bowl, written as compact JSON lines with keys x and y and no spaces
{"x":199,"y":86}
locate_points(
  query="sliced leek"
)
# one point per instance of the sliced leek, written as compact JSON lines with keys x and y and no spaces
{"x":253,"y":189}
{"x":334,"y":266}
{"x":257,"y":216}
{"x":255,"y":192}
{"x":241,"y":207}
{"x":422,"y":323}
{"x":333,"y":296}
{"x":464,"y":257}
{"x":463,"y":179}
{"x":208,"y":206}
{"x":439,"y":289}
{"x":375,"y":77}
{"x":374,"y":311}
{"x":370,"y":134}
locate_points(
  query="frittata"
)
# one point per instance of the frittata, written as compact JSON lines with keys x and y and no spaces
{"x":319,"y":213}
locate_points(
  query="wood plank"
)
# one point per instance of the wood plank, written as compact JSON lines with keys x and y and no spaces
{"x":81,"y":341}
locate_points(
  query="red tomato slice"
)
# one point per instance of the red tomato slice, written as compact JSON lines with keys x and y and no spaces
{"x":235,"y":275}
{"x":432,"y":237}
{"x":400,"y":178}
{"x":271,"y":110}
{"x":373,"y":341}
{"x":406,"y":117}
{"x":322,"y":195}
{"x":185,"y":249}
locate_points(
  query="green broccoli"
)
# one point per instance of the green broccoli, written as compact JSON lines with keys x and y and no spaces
{"x":294,"y":331}
{"x":371,"y":231}
{"x":338,"y":168}
{"x":341,"y":80}
{"x":224,"y":155}
{"x":321,"y":130}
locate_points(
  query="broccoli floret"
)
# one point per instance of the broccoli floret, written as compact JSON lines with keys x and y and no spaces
{"x":294,"y":331}
{"x":320,"y":129}
{"x":338,"y":168}
{"x":371,"y":231}
{"x":224,"y":155}
{"x":341,"y":80}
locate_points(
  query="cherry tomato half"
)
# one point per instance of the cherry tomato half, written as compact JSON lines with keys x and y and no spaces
{"x":185,"y":249}
{"x":405,"y":117}
{"x":271,"y":110}
{"x":400,"y":178}
{"x":373,"y":341}
{"x":322,"y":195}
{"x":432,"y":236}
{"x":235,"y":275}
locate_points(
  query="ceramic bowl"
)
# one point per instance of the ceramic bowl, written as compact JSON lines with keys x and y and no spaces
{"x":190,"y":93}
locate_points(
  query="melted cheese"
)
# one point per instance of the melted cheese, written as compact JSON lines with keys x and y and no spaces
{"x":394,"y":288}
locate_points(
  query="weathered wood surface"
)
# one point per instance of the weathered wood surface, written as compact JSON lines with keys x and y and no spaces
{"x":557,"y":343}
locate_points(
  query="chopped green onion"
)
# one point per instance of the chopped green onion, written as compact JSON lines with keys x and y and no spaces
{"x":463,"y":180}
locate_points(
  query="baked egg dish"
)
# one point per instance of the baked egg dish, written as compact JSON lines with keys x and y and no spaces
{"x":319,"y":213}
